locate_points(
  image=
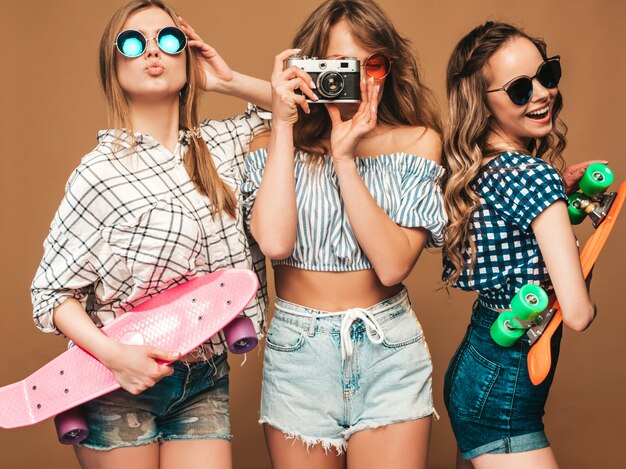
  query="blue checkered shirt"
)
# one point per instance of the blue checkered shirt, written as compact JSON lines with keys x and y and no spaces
{"x":513,"y":190}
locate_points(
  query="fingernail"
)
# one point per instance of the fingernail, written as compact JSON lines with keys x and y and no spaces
{"x":377,"y":88}
{"x":373,"y":108}
{"x":313,"y":86}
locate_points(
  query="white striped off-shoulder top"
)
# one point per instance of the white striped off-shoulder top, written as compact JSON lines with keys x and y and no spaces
{"x":404,"y":185}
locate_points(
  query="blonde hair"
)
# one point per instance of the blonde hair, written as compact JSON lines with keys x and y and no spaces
{"x":198,"y":160}
{"x":468,"y":127}
{"x":406,"y":100}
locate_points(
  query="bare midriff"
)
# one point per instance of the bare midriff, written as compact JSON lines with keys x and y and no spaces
{"x":331,"y":291}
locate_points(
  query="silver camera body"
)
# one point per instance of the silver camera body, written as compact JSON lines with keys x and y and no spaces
{"x":336,"y":80}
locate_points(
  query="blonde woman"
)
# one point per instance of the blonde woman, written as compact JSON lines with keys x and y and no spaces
{"x":154,"y":204}
{"x":508,"y":226}
{"x":344,"y":199}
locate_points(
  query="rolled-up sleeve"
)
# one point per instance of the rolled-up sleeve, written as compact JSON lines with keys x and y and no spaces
{"x":66,"y":269}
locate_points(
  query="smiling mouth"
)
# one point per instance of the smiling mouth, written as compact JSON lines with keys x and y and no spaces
{"x":539,"y":114}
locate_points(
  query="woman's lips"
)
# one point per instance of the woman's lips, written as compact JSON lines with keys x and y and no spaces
{"x":540,"y":115}
{"x":155,"y":69}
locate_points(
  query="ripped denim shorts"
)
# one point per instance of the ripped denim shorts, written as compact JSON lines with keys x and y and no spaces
{"x":192,"y":403}
{"x":329,"y":375}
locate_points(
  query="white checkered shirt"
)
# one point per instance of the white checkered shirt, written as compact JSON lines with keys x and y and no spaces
{"x":132,"y":224}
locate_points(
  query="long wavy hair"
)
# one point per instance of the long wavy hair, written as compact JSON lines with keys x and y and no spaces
{"x":468,"y":126}
{"x":406,"y":100}
{"x":198,"y":160}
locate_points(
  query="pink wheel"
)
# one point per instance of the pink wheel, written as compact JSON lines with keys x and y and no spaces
{"x":71,"y":426}
{"x":240,"y":335}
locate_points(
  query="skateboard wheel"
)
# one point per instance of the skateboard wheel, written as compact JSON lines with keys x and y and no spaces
{"x":501,"y":331}
{"x":575,"y":207}
{"x":528,"y":301}
{"x":597,"y":178}
{"x":71,"y":426}
{"x":240,"y":335}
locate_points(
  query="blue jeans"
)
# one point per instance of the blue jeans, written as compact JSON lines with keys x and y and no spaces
{"x":192,"y":403}
{"x":329,"y":375}
{"x":492,"y":405}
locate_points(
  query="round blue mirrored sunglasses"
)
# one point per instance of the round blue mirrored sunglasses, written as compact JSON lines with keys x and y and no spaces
{"x":132,"y":43}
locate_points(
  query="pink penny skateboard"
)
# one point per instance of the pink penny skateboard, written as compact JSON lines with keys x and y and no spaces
{"x":180,"y":318}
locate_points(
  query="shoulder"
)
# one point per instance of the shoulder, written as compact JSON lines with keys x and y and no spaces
{"x":104,"y":168}
{"x":523,"y":169}
{"x":94,"y":165}
{"x":516,"y":175}
{"x":260,"y":141}
{"x":420,"y":141}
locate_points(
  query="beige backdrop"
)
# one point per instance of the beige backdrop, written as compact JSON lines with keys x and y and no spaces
{"x":51,"y":108}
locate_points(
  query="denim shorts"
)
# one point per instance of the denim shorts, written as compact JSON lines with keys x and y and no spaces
{"x":329,"y":375}
{"x":492,"y":404}
{"x":192,"y":403}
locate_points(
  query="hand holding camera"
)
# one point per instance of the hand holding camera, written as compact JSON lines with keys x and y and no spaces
{"x":345,"y":135}
{"x":331,"y":81}
{"x":337,"y":80}
{"x":285,"y":101}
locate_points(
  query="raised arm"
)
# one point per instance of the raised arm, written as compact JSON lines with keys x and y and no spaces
{"x":218,"y":77}
{"x":391,"y":248}
{"x":274,"y":216}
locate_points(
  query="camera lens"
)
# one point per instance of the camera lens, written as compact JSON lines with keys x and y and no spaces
{"x":330,"y":84}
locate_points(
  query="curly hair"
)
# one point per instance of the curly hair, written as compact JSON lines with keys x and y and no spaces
{"x":468,"y":126}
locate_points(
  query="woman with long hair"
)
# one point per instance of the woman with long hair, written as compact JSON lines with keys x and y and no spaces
{"x":154,"y":204}
{"x":508,"y":227}
{"x":343,"y":199}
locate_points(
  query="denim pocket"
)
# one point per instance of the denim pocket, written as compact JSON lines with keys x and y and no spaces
{"x":401,"y":330}
{"x":284,"y":336}
{"x":472,"y":381}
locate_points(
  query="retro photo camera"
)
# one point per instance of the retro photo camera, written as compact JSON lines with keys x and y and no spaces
{"x":336,"y":80}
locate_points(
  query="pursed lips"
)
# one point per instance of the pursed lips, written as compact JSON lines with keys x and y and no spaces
{"x":155,"y":68}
